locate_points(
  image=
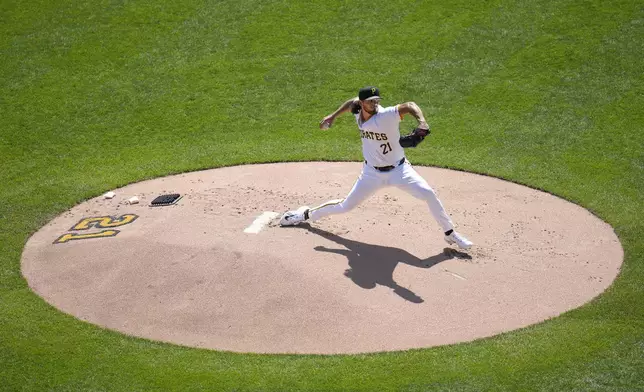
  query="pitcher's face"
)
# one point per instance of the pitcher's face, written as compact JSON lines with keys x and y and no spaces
{"x":370,"y":105}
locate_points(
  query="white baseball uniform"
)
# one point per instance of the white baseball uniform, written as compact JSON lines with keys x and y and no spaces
{"x":385,"y":165}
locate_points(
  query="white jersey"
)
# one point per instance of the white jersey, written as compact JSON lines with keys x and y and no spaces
{"x":380,"y":137}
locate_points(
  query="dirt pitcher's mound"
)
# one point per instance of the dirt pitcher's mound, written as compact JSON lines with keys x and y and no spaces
{"x":214,"y":271}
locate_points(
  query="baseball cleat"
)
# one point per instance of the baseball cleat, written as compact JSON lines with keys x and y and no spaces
{"x":458,"y":239}
{"x":292,"y":218}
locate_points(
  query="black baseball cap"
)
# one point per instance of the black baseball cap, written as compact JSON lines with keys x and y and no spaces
{"x":369,"y":92}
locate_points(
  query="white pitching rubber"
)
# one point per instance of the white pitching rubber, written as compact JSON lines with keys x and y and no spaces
{"x":260,"y":222}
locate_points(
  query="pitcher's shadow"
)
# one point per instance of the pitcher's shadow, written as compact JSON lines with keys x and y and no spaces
{"x":371,"y":265}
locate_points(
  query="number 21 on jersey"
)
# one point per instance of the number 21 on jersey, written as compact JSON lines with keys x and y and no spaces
{"x":385,"y":148}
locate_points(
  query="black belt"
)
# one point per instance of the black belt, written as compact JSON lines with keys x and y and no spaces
{"x":388,"y":168}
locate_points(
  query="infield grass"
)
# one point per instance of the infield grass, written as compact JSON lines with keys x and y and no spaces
{"x":98,"y":94}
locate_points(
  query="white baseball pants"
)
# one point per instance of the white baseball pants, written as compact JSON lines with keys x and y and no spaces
{"x":404,"y":177}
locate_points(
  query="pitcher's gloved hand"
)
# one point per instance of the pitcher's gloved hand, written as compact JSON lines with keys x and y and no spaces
{"x":422,"y":130}
{"x":416,"y":136}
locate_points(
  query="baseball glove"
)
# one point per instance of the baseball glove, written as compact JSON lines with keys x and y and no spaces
{"x":413,"y":139}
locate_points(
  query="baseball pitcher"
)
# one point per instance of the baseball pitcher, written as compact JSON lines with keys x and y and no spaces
{"x":385,"y":163}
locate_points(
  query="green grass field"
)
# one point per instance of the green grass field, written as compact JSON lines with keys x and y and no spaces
{"x":98,"y":94}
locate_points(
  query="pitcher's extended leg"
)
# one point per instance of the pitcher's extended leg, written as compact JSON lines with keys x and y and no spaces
{"x":366,"y":185}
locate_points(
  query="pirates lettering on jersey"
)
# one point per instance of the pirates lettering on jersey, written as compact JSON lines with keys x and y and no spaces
{"x":373,"y":135}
